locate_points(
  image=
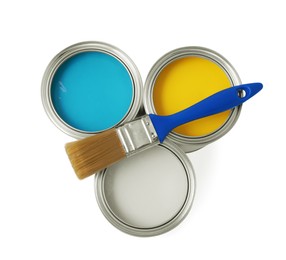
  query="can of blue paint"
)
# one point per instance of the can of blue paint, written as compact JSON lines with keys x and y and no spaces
{"x":90,"y":87}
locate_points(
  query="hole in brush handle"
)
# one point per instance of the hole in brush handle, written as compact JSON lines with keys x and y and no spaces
{"x":241,"y":93}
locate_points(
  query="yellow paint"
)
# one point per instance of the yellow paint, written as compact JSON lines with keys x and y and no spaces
{"x":185,"y":82}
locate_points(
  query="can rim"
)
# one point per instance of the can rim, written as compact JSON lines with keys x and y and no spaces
{"x":189,"y":143}
{"x":169,"y":225}
{"x":77,"y":48}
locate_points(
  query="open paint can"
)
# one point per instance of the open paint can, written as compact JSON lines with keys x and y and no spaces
{"x":149,"y":193}
{"x":90,"y":87}
{"x":184,"y":77}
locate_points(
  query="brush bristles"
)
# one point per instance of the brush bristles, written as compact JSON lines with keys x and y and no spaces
{"x":95,"y":153}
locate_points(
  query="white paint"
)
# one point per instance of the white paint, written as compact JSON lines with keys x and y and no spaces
{"x":148,"y":189}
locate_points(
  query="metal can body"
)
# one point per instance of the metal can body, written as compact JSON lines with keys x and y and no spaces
{"x":106,"y":50}
{"x":191,"y":143}
{"x":149,"y":193}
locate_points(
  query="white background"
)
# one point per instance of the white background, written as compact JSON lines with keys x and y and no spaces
{"x":240,"y":207}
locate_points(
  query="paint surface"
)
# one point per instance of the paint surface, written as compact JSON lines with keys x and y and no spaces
{"x":146,"y":190}
{"x":92,"y":91}
{"x":185,"y":82}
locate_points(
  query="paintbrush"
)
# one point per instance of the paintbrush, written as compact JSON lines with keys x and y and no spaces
{"x":97,"y":152}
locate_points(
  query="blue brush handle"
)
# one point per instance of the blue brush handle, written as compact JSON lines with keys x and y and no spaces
{"x":219,"y":102}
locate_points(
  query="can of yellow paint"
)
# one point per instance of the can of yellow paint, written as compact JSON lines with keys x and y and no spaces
{"x":184,"y":77}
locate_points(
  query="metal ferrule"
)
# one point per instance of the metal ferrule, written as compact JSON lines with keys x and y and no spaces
{"x":138,"y":135}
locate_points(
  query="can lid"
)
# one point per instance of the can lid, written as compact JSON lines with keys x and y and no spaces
{"x":149,"y":193}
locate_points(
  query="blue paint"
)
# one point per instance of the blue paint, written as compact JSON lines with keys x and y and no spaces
{"x":92,"y":91}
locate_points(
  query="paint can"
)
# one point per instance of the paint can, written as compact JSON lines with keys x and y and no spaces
{"x":90,"y":87}
{"x":149,"y":193}
{"x":182,"y":78}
